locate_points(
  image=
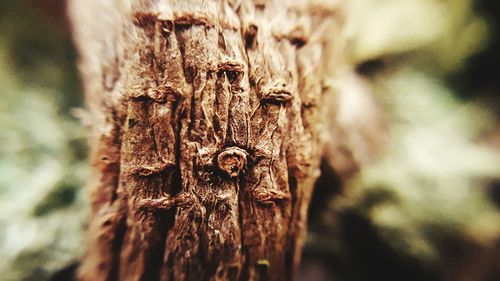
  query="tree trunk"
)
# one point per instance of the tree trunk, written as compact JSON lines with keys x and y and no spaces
{"x":206,"y":121}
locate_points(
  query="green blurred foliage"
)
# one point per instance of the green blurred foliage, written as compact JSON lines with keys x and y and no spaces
{"x":421,"y":210}
{"x":37,"y":48}
{"x":42,"y":157}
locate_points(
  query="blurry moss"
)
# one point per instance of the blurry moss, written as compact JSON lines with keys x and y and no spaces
{"x":439,"y":34}
{"x":416,"y":212}
{"x":63,"y":195}
{"x":40,"y":51}
{"x":26,"y":259}
{"x":42,"y":157}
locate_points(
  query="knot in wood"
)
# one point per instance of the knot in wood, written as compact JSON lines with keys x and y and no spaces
{"x":231,"y":161}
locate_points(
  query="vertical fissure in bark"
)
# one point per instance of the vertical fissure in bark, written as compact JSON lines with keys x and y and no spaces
{"x":219,"y":143}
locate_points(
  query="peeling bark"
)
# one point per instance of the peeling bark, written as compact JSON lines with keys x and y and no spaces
{"x":206,"y":134}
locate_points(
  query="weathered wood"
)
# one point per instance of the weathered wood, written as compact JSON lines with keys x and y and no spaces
{"x":206,"y":134}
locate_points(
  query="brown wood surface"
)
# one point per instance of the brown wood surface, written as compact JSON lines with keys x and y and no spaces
{"x":207,"y":121}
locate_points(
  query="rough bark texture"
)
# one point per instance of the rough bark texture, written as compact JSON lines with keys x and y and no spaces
{"x":206,"y":141}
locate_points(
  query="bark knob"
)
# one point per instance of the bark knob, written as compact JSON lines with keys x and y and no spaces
{"x":232,"y":160}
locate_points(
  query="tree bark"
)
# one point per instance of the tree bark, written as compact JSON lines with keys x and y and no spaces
{"x":206,"y":134}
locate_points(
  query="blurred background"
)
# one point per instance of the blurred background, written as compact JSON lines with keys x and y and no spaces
{"x":427,"y":208}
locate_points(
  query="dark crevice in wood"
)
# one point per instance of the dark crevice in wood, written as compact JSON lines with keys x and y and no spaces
{"x":251,"y":36}
{"x":117,"y":246}
{"x":117,"y":142}
{"x":167,"y":26}
{"x":244,"y":251}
